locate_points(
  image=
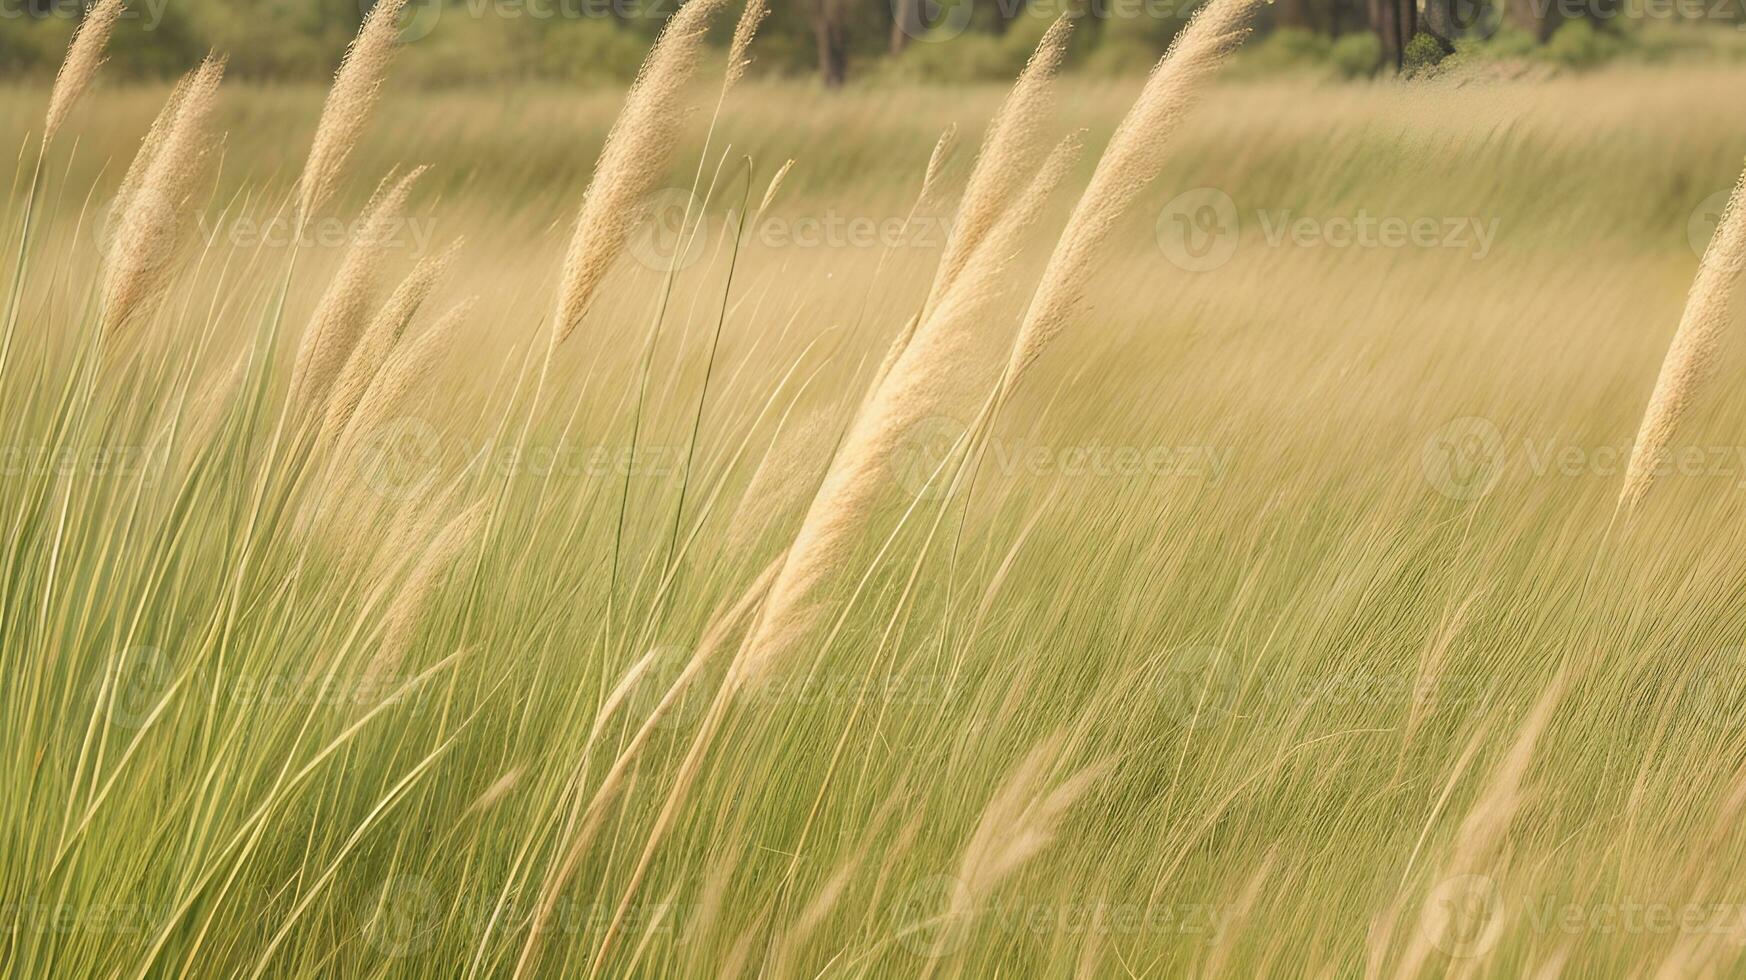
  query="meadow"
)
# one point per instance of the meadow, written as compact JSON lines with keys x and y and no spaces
{"x":1280,"y":618}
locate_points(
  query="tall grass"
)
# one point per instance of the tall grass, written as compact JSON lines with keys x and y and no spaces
{"x":409,"y":641}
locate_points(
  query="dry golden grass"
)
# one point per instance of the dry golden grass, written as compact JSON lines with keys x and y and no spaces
{"x":1363,"y":656}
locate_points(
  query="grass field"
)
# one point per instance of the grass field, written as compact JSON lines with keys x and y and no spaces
{"x":1281,"y":625}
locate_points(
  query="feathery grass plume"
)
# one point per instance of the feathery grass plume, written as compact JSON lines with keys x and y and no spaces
{"x":1018,"y":823}
{"x":1010,"y":150}
{"x":1482,"y":833}
{"x":407,"y":369}
{"x":791,"y":467}
{"x":1130,"y":162}
{"x":632,"y":162}
{"x":495,"y":793}
{"x":145,"y":242}
{"x":943,"y":148}
{"x":344,"y":309}
{"x":84,"y":57}
{"x":356,"y":87}
{"x":378,"y":340}
{"x":421,"y":586}
{"x":723,"y":622}
{"x":775,"y":185}
{"x":149,"y":145}
{"x":369,"y":469}
{"x":1691,"y":357}
{"x":739,"y":51}
{"x":923,"y":380}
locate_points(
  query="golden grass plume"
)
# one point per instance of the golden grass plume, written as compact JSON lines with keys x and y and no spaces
{"x":84,"y":57}
{"x":1690,"y":359}
{"x":1011,"y":147}
{"x":931,"y":370}
{"x":631,"y":164}
{"x":1130,"y":161}
{"x":356,"y":88}
{"x":344,"y":311}
{"x":379,"y":338}
{"x":148,"y":218}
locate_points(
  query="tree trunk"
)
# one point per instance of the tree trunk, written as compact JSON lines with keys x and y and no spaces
{"x":1538,"y":17}
{"x":1382,"y":21}
{"x":905,"y":24}
{"x":829,"y":37}
{"x":1395,"y":22}
{"x":1291,"y":14}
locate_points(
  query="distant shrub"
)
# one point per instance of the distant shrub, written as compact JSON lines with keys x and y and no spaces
{"x":1291,"y":47}
{"x":965,"y":58}
{"x":1122,"y":56}
{"x":1577,"y":44}
{"x":1356,"y":55}
{"x":28,"y":45}
{"x":1422,"y":52}
{"x":591,"y":49}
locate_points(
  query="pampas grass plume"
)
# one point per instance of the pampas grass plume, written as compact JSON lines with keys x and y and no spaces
{"x":84,"y":57}
{"x":1691,"y":357}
